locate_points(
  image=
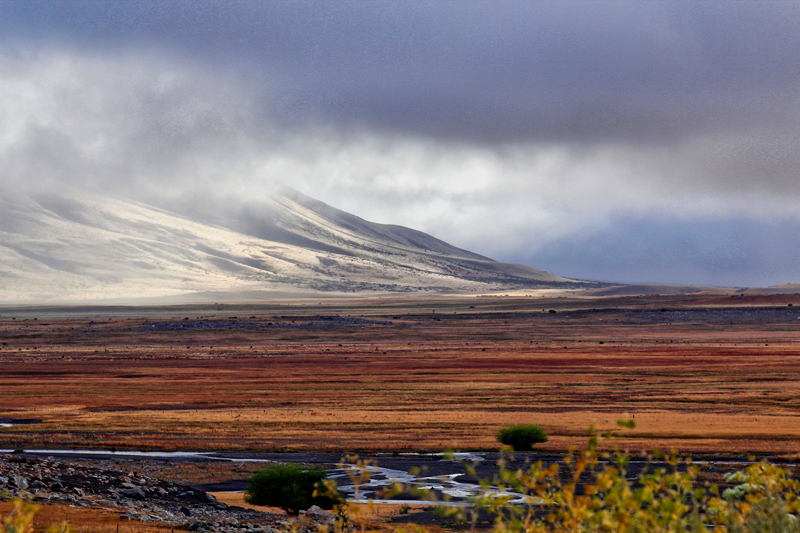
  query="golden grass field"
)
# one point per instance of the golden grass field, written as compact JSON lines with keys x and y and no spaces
{"x":446,"y":373}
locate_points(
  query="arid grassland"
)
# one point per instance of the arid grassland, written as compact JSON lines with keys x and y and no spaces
{"x":700,"y":373}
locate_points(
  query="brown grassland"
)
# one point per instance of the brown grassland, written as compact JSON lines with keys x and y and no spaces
{"x":86,"y":520}
{"x":710,"y":373}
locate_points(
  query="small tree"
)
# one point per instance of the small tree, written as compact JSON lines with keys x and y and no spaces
{"x":522,"y":437}
{"x":291,"y":487}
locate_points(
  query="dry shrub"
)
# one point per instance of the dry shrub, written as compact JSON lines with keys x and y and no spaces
{"x":595,"y":494}
{"x":20,"y":519}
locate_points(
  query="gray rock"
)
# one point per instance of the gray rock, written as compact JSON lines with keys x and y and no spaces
{"x":157,"y":501}
{"x":135,"y":493}
{"x":317,"y":513}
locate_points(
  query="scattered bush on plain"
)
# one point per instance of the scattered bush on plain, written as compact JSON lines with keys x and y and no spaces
{"x":292,"y":487}
{"x":522,"y":437}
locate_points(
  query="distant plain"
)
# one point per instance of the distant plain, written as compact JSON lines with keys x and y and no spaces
{"x":704,"y":373}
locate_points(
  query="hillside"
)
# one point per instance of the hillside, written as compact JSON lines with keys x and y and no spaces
{"x":76,"y":247}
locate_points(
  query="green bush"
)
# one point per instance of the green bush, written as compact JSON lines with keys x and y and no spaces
{"x":292,"y":487}
{"x":521,"y":437}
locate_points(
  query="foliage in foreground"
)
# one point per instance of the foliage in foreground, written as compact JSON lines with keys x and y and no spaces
{"x":291,"y":487}
{"x":20,"y":519}
{"x":595,"y":494}
{"x":522,"y":437}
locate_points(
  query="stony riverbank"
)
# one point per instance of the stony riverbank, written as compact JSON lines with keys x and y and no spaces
{"x":115,"y":486}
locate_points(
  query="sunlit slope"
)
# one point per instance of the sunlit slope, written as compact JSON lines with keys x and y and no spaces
{"x":79,"y":247}
{"x":293,"y":218}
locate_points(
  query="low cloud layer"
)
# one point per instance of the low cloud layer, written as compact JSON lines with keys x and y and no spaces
{"x":623,"y":141}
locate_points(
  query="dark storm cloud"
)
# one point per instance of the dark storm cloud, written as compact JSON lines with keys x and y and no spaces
{"x":514,"y":129}
{"x":583,"y":71}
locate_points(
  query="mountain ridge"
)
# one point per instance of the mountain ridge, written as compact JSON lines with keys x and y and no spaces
{"x":84,"y":246}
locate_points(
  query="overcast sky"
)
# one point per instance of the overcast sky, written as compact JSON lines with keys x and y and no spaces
{"x":623,"y":141}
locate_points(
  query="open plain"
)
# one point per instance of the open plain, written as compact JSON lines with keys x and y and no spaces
{"x":704,"y":373}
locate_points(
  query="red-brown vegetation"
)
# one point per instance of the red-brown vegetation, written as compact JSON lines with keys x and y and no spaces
{"x":713,"y":374}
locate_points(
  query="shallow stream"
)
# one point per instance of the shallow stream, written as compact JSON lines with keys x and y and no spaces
{"x":446,"y":478}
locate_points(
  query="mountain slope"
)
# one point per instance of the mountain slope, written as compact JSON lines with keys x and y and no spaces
{"x":58,"y":247}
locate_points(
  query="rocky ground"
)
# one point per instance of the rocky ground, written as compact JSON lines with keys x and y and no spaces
{"x":233,"y":322}
{"x":136,"y":495}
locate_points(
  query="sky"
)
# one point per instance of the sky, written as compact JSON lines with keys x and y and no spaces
{"x":629,"y":141}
